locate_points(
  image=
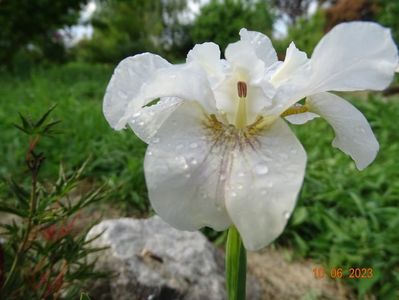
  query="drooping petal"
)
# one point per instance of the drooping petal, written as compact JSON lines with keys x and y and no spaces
{"x":354,"y":56}
{"x":264,"y":182}
{"x":125,"y":84}
{"x":261,"y":44}
{"x":184,"y":173}
{"x":146,"y":122}
{"x":187,"y":81}
{"x":353,"y":134}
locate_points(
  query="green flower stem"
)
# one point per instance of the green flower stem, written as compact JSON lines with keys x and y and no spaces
{"x":236,"y":265}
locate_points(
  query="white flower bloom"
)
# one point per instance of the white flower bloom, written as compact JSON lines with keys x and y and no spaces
{"x":220,"y":151}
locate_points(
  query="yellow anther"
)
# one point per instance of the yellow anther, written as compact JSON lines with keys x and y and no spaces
{"x":295,"y":109}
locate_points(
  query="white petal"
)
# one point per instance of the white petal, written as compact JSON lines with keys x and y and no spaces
{"x":183,"y":173}
{"x":354,"y":56}
{"x":149,"y":119}
{"x":242,"y":56}
{"x":264,"y":184}
{"x":261,"y":44}
{"x":294,"y":61}
{"x":353,"y":134}
{"x":128,"y":77}
{"x":302,"y":118}
{"x":208,"y":56}
{"x":186,"y":81}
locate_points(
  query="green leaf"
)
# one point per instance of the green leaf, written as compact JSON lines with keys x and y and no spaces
{"x":45,"y":116}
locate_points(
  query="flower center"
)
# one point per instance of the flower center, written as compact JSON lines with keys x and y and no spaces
{"x":241,"y":111}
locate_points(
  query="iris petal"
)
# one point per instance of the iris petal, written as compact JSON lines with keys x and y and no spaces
{"x":353,"y":134}
{"x":264,"y":182}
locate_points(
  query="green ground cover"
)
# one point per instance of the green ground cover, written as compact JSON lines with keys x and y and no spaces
{"x":344,"y":218}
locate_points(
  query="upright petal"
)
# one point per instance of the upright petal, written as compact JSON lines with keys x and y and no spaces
{"x":125,"y":84}
{"x":353,"y":134}
{"x":184,"y":172}
{"x":354,"y":56}
{"x":265,"y":179}
{"x":207,"y":55}
{"x":294,"y":62}
{"x":261,"y":44}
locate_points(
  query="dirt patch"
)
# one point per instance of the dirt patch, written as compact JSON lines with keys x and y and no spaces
{"x":283,"y":279}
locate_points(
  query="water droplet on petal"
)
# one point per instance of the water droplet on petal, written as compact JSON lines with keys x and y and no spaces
{"x":263,"y":192}
{"x":137,"y":114}
{"x":141,"y":123}
{"x":193,"y":145}
{"x":294,"y":151}
{"x":286,"y":215}
{"x":240,"y":186}
{"x":194,"y":161}
{"x":361,"y":129}
{"x":261,"y":169}
{"x":179,"y":147}
{"x":149,"y":153}
{"x":155,"y":140}
{"x":222,"y":177}
{"x":269,"y":184}
{"x":233,"y":194}
{"x":188,"y":175}
{"x":241,"y":174}
{"x":122,"y":95}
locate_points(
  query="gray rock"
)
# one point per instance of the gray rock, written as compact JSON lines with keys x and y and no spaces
{"x":151,"y":260}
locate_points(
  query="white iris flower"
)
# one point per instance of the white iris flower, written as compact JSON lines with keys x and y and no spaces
{"x":220,"y":152}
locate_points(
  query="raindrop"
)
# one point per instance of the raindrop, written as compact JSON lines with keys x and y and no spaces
{"x":269,"y":184}
{"x":141,"y":123}
{"x":137,"y":114}
{"x":241,"y":174}
{"x":193,"y":145}
{"x":286,"y":215}
{"x":261,"y":169}
{"x":233,"y":194}
{"x":155,"y":140}
{"x":294,"y":151}
{"x":188,"y":175}
{"x":240,"y":186}
{"x":194,"y":161}
{"x":151,"y":113}
{"x":122,"y":95}
{"x":361,"y":129}
{"x":185,"y":166}
{"x":149,"y":153}
{"x":222,"y":177}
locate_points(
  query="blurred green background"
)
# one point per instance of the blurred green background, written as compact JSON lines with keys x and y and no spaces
{"x":63,"y":52}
